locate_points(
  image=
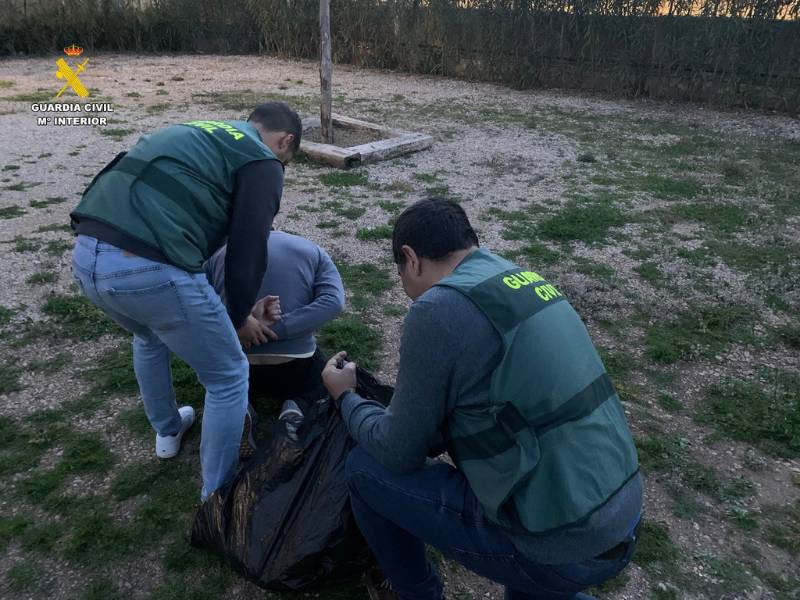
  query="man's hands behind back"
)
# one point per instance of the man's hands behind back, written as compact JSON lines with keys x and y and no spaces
{"x":256,"y":329}
{"x":267,"y":310}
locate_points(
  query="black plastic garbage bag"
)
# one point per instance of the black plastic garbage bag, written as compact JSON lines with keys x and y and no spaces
{"x":285,"y":521}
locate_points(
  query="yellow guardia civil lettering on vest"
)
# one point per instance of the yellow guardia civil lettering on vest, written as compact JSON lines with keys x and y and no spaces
{"x":546,"y":291}
{"x":211,"y":126}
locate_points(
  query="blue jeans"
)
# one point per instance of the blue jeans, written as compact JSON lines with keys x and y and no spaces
{"x":399,"y":514}
{"x":169,"y":310}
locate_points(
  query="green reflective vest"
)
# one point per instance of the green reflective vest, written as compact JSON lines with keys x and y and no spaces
{"x":551,"y":446}
{"x":173,"y":190}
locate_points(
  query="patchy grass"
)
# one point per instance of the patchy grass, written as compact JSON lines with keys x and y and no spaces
{"x":23,"y":244}
{"x":650,"y":273}
{"x":685,"y":503}
{"x":158,"y":108}
{"x":518,"y":225}
{"x":37,"y":96}
{"x":11,"y":212}
{"x":590,"y":268}
{"x":391,"y":206}
{"x":439,"y":190}
{"x":701,"y":332}
{"x":783,"y":527}
{"x":21,"y":186}
{"x":610,"y":586}
{"x":372,"y":234}
{"x":665,"y":188}
{"x":670,"y":455}
{"x":721,"y":219}
{"x":349,"y":333}
{"x":763,"y":411}
{"x":659,"y":452}
{"x":786,"y":586}
{"x":118,"y":379}
{"x":49,"y":366}
{"x":688,"y":145}
{"x":94,"y":538}
{"x":54,"y":227}
{"x":398,"y":187}
{"x":669,"y":403}
{"x":535,"y":254}
{"x":24,"y":576}
{"x":349,"y":212}
{"x":426,"y":177}
{"x":39,"y":486}
{"x":49,"y":201}
{"x":192,"y":573}
{"x":789,"y":334}
{"x":744,"y":519}
{"x":344,"y":179}
{"x":329,"y":224}
{"x":42,"y":278}
{"x":76,"y":318}
{"x":5,"y":315}
{"x":11,"y":527}
{"x":42,"y":538}
{"x":100,"y":589}
{"x":9,"y":378}
{"x":580,"y":222}
{"x":393,"y":310}
{"x":729,"y":576}
{"x":115,"y":132}
{"x":655,"y":549}
{"x":364,"y":278}
{"x":778,"y":259}
{"x":58,"y":247}
{"x":86,"y":453}
{"x":364,"y":282}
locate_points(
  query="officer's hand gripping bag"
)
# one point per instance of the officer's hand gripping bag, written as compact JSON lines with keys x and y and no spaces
{"x":285,"y":521}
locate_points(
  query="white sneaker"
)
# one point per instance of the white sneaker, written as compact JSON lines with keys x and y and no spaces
{"x":168,"y":446}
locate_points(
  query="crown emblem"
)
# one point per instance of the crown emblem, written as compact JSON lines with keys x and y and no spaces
{"x":73,"y":50}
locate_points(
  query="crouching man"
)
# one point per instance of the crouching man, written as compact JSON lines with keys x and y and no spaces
{"x":302,"y":277}
{"x":496,"y":368}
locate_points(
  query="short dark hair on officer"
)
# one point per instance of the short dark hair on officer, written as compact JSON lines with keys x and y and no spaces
{"x":434,"y":228}
{"x":278,"y":116}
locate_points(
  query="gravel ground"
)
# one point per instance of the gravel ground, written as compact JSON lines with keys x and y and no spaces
{"x":485,"y":164}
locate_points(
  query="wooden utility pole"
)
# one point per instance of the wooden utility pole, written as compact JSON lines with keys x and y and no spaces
{"x":325,"y":68}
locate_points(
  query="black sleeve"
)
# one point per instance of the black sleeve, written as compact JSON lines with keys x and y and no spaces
{"x":256,"y":201}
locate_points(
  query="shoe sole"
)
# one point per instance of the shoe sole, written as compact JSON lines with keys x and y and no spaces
{"x":248,"y":445}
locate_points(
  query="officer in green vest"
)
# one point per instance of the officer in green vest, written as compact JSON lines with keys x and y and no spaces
{"x":497,"y":369}
{"x":145,"y":226}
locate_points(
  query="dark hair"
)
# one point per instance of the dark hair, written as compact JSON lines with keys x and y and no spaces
{"x":278,"y":116}
{"x":434,"y":228}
